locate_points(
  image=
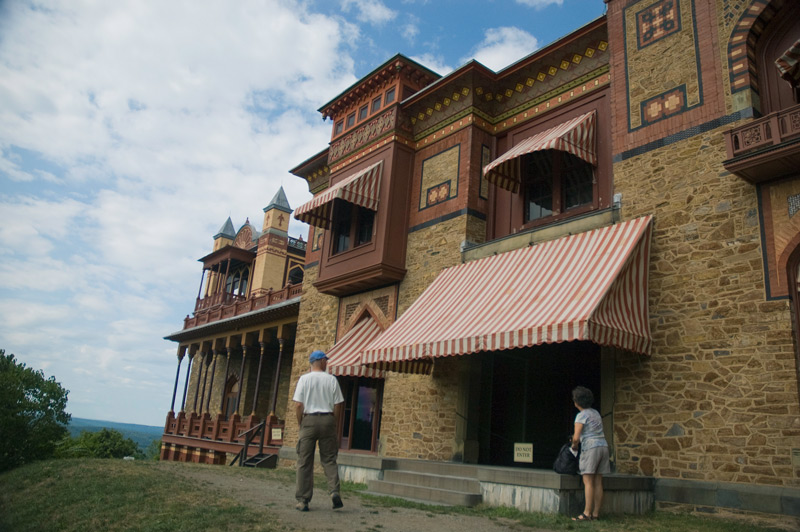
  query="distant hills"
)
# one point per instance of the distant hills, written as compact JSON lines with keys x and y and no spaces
{"x":141,"y":434}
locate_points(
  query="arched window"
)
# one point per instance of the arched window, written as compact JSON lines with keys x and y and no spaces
{"x":779,"y":35}
{"x":296,"y":275}
{"x":231,"y":395}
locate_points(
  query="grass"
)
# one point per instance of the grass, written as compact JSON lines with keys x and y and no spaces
{"x":116,"y":495}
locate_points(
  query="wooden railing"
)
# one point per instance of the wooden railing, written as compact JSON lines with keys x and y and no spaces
{"x":218,"y":308}
{"x":219,"y":429}
{"x":770,"y":130}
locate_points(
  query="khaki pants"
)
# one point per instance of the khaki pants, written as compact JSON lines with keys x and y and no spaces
{"x":315,"y":429}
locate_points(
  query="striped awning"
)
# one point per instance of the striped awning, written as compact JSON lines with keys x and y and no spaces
{"x":362,"y":188}
{"x":344,"y":358}
{"x":590,"y":286}
{"x":789,"y":64}
{"x":575,"y":136}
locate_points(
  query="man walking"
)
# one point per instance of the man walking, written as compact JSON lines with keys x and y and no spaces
{"x":318,"y":409}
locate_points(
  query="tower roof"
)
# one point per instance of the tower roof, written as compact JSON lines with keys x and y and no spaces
{"x":279,"y":202}
{"x":226,"y":230}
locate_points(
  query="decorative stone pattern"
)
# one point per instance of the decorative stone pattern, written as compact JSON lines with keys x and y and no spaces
{"x":717,"y":400}
{"x":657,"y":21}
{"x":440,"y":177}
{"x":645,"y":61}
{"x":380,"y":303}
{"x":363,"y":135}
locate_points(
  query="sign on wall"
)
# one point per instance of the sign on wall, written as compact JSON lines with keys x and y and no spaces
{"x":523,"y":452}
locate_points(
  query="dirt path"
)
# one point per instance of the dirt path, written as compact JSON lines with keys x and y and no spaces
{"x":274,"y":491}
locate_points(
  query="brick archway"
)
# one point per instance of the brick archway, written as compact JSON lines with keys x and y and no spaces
{"x":742,"y":68}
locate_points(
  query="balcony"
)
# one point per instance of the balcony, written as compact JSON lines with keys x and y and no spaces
{"x":765,"y":148}
{"x":223,"y":306}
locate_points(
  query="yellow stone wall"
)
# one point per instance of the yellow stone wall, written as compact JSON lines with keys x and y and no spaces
{"x":717,"y":400}
{"x":316,"y":329}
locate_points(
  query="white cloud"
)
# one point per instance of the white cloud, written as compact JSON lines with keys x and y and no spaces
{"x":433,"y":62}
{"x":370,"y":11}
{"x":503,"y":46}
{"x":539,"y":4}
{"x":129,"y":132}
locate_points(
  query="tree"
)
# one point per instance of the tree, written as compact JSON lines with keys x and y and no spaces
{"x":32,"y":416}
{"x":105,"y":443}
{"x":153,"y":451}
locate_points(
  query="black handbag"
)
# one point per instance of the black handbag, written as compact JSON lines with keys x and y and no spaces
{"x":566,"y":463}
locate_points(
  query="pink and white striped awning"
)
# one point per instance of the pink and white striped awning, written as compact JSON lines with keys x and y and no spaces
{"x":344,"y":358}
{"x":590,"y":286}
{"x":575,"y":136}
{"x":789,"y":64}
{"x":362,"y":188}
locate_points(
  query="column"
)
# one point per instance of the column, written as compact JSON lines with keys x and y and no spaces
{"x":221,"y":410}
{"x":181,"y":353}
{"x":186,"y":383}
{"x":276,"y":380}
{"x":258,"y":376}
{"x":241,"y":379}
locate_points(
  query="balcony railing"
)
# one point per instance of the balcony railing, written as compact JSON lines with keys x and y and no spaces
{"x":765,"y":147}
{"x":219,"y":433}
{"x":222,"y":306}
{"x":771,"y":130}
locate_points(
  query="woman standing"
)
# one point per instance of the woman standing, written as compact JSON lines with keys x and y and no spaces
{"x":594,"y":461}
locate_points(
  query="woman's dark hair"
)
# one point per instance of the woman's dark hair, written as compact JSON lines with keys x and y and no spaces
{"x":583,"y":397}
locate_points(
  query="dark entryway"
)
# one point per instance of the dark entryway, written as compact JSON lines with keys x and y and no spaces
{"x":362,"y":413}
{"x":526,"y":398}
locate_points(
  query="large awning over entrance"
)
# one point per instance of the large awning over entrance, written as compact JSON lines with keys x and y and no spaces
{"x":575,"y":136}
{"x":362,"y":188}
{"x":590,"y":286}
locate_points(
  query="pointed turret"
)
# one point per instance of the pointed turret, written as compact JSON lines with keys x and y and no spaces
{"x":272,"y":245}
{"x":225,"y":235}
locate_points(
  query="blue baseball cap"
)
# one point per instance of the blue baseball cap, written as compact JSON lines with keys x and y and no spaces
{"x":316,"y":355}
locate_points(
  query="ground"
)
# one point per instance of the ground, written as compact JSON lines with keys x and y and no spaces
{"x":274,"y":491}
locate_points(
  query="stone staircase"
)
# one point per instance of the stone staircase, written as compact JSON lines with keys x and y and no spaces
{"x":429,"y":482}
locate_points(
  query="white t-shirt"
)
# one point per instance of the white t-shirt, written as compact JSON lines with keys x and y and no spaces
{"x":319,"y":391}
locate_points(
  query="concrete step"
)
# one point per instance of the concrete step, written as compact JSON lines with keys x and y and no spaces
{"x":462,"y":484}
{"x":424,"y":494}
{"x":433,"y":468}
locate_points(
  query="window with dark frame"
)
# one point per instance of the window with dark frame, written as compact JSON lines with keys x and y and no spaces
{"x":389,"y":96}
{"x":554,"y":182}
{"x":351,"y":120}
{"x":363,"y":112}
{"x":376,"y":104}
{"x":339,"y":127}
{"x":352,"y":226}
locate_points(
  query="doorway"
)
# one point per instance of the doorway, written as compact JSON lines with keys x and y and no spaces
{"x":360,"y":425}
{"x":526,"y":397}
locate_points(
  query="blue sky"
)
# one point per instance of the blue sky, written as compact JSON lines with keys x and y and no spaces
{"x":130,"y":131}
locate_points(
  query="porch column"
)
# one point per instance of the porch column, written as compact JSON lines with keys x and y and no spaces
{"x":181,"y":354}
{"x":258,"y":376}
{"x":186,"y":383}
{"x":200,"y":288}
{"x":276,"y":380}
{"x":197,"y":392}
{"x":214,"y":353}
{"x":225,"y":381}
{"x":241,"y":379}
